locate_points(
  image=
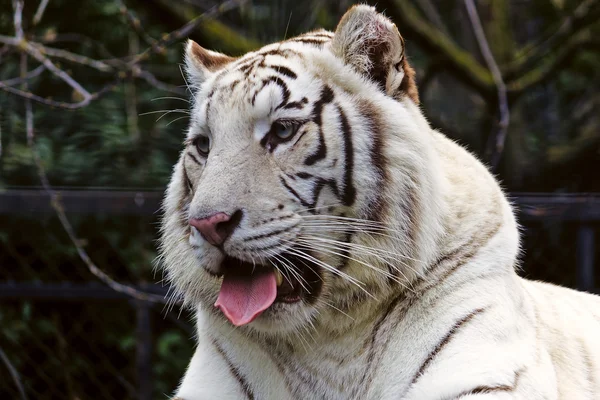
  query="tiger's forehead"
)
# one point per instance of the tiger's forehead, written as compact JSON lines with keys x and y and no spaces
{"x":264,"y":81}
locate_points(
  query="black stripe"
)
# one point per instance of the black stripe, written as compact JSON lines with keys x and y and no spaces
{"x":269,"y":234}
{"x":309,"y":41}
{"x":445,"y":340}
{"x":320,"y":183}
{"x":378,"y":340}
{"x":349,"y":190}
{"x":183,"y":200}
{"x":346,"y":251}
{"x":235,"y":372}
{"x":324,"y":34}
{"x":376,"y":208}
{"x":484,"y":389}
{"x":208,"y":101}
{"x":187,"y":180}
{"x":304,"y":175}
{"x":326,"y":98}
{"x":283,"y":70}
{"x":279,"y":52}
{"x":278,"y":81}
{"x":194,"y":159}
{"x":293,"y":192}
{"x":294,"y":104}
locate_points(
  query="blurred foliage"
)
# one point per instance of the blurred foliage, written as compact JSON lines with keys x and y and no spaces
{"x":553,"y":144}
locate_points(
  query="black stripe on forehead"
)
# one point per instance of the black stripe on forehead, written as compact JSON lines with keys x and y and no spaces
{"x":308,"y":40}
{"x":283,"y":70}
{"x":245,"y":64}
{"x":279,"y":82}
{"x":321,"y":152}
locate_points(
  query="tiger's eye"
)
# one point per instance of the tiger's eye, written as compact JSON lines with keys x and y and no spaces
{"x":284,"y":131}
{"x":203,"y":145}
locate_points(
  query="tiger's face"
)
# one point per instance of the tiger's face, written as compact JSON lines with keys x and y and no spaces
{"x":278,"y":195}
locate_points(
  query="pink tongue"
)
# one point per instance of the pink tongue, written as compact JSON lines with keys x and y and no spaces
{"x":243,"y":298}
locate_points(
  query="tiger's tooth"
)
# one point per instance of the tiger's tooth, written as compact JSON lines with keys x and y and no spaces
{"x":278,"y":277}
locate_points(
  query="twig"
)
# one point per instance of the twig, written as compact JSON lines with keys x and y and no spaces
{"x":130,"y":94}
{"x":151,"y":79}
{"x":33,"y":51}
{"x":59,"y":104}
{"x":40,"y":12}
{"x":28,"y":76}
{"x":75,"y":58}
{"x":186,"y":29}
{"x":584,"y":14}
{"x":434,"y":16}
{"x":500,"y":136}
{"x":136,"y":24}
{"x":79,"y":39}
{"x":18,"y":19}
{"x":14,"y":374}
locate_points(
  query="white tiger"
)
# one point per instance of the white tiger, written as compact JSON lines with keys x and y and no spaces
{"x":336,"y":247}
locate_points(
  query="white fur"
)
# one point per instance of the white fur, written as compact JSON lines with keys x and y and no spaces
{"x":452,"y":233}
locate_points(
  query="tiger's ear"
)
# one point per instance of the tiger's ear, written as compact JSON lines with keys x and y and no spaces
{"x":200,"y":63}
{"x":371,"y":43}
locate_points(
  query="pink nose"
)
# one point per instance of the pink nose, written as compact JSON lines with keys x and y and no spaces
{"x":216,"y":228}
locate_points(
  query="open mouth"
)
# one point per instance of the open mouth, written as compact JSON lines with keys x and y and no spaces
{"x":248,"y":289}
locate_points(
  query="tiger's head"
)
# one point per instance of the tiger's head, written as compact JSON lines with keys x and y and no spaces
{"x":307,"y":182}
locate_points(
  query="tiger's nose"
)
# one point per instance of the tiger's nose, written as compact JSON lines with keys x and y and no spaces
{"x":218,"y":227}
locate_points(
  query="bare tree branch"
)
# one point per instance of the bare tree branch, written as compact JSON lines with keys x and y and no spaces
{"x":504,"y":112}
{"x":151,"y":79}
{"x":74,"y":58}
{"x":18,"y":19}
{"x":40,"y":12}
{"x":585,"y":14}
{"x":434,"y":16}
{"x":28,"y":76}
{"x":60,"y":104}
{"x":131,"y":95}
{"x":561,"y":58}
{"x":186,"y":29}
{"x":14,"y":374}
{"x":79,"y":39}
{"x":136,"y":25}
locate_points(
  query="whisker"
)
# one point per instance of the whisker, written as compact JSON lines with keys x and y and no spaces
{"x":171,"y":98}
{"x":318,"y":208}
{"x":329,"y":249}
{"x":177,"y":119}
{"x":359,"y":246}
{"x":337,"y":309}
{"x":187,"y":85}
{"x":176,"y":110}
{"x":333,"y":270}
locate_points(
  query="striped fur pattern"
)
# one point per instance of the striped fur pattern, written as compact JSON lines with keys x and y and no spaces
{"x":412,"y":243}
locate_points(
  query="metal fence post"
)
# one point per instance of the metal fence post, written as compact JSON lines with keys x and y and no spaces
{"x":585,"y":257}
{"x":143,"y":349}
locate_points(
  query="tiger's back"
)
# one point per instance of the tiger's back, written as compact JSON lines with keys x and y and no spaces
{"x":351,"y":251}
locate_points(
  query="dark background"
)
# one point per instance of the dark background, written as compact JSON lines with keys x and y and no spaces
{"x":64,"y":334}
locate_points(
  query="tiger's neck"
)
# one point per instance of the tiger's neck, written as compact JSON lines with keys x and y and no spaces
{"x":449,"y":209}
